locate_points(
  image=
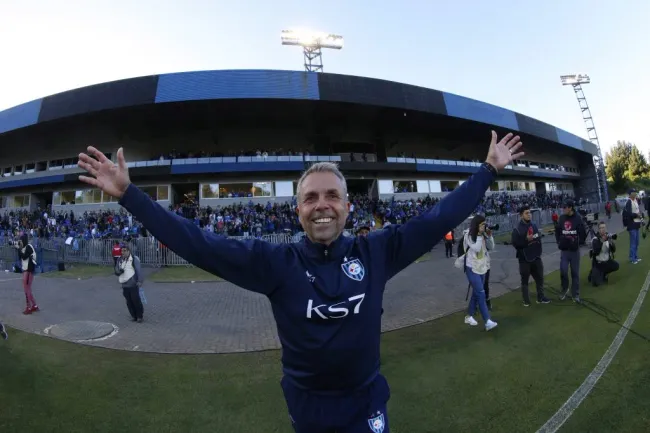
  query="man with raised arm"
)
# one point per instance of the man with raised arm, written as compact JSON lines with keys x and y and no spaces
{"x":326,"y":291}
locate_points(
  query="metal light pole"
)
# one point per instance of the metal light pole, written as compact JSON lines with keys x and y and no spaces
{"x":576,"y":81}
{"x":312,"y":43}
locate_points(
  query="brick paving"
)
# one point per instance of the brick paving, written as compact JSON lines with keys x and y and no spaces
{"x":219,"y":317}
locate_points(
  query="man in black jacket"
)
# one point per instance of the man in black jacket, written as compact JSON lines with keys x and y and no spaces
{"x":603,"y":249}
{"x":633,"y":220}
{"x":528,"y":242}
{"x":3,"y":332}
{"x":568,"y":232}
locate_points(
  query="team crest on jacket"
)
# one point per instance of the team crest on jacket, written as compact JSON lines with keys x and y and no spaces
{"x":377,"y":423}
{"x":353,"y":269}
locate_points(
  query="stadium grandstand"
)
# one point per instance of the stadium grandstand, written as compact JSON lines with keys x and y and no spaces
{"x":226,"y":148}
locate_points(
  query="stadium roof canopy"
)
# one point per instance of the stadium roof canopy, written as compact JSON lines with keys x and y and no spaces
{"x":280,"y":85}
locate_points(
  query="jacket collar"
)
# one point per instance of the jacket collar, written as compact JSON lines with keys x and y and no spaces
{"x":333,"y":251}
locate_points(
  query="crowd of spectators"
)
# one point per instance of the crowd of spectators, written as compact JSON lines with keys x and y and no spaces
{"x":260,"y":153}
{"x":245,"y":218}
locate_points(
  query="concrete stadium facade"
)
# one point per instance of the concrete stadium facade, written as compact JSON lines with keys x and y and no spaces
{"x":241,"y":135}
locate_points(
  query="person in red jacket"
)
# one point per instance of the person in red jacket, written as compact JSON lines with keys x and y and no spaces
{"x":117,"y":252}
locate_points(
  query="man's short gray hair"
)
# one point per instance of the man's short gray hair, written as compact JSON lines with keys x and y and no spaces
{"x":323,"y":167}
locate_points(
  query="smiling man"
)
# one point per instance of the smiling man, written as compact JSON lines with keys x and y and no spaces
{"x":326,"y":291}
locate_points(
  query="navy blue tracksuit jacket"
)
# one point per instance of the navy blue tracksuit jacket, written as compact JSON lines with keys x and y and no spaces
{"x":326,"y":300}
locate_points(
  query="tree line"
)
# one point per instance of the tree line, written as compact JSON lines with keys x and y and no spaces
{"x":626,"y":166}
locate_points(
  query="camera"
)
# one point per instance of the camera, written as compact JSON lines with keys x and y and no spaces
{"x":493,"y":227}
{"x":612,"y":237}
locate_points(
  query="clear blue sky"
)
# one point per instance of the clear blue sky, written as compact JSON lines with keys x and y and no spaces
{"x":508,"y":53}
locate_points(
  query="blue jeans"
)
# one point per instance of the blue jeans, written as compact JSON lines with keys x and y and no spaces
{"x":634,"y":244}
{"x":478,"y":294}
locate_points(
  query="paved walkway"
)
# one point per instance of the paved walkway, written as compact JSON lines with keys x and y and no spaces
{"x":221,"y":318}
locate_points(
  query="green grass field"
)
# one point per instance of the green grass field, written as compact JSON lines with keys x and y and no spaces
{"x":444,"y":376}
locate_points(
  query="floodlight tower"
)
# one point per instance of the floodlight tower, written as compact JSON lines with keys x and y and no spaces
{"x":577,"y":80}
{"x":312,"y":43}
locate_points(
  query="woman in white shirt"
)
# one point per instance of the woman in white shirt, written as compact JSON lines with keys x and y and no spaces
{"x":477,"y":242}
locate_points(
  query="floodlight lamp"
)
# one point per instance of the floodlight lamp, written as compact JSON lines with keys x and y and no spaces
{"x":572,"y":80}
{"x":312,"y":39}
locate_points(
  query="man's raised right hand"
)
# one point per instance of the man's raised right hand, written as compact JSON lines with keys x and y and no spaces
{"x":111,"y":178}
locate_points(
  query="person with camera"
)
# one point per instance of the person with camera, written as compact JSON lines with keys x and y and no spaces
{"x":527,"y":241}
{"x":477,"y":242}
{"x":602,"y":250}
{"x":27,"y":255}
{"x":3,"y":332}
{"x":130,"y":277}
{"x":569,"y":231}
{"x":633,"y":221}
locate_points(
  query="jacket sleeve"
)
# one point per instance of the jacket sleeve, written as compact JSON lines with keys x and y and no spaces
{"x":517,"y":240}
{"x":489,"y":243}
{"x":138,"y":270}
{"x":582,"y":230}
{"x":250,"y":264}
{"x":27,"y":253}
{"x":628,"y":210}
{"x":405,"y":243}
{"x":596,"y":246}
{"x":474,"y":246}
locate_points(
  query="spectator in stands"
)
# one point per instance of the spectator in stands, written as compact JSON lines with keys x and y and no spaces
{"x":477,"y":242}
{"x":27,"y":256}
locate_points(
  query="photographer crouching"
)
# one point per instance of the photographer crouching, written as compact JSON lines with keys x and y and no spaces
{"x":603,"y":249}
{"x":130,"y":277}
{"x":27,"y":256}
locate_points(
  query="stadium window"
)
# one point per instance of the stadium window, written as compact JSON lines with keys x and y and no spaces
{"x":448,"y":185}
{"x":56,"y":198}
{"x":41,"y":166}
{"x":235,"y":190}
{"x":78,"y":197}
{"x":56,"y":163}
{"x":163,"y":192}
{"x":262,"y":189}
{"x":6,"y":172}
{"x":3,"y":202}
{"x":494,"y":186}
{"x":402,"y":186}
{"x":18,"y":169}
{"x":67,"y":197}
{"x":91,"y":196}
{"x":20,"y":201}
{"x":30,"y":168}
{"x":151,"y":191}
{"x":107,"y":198}
{"x":210,"y":190}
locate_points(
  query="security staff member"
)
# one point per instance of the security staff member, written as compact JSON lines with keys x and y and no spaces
{"x":449,"y":241}
{"x":603,"y":248}
{"x":568,"y":232}
{"x":528,"y":242}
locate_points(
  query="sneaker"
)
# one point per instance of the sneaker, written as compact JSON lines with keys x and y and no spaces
{"x":469,"y":320}
{"x":562,"y":296}
{"x":543,"y":300}
{"x":490,"y":325}
{"x":577,"y":300}
{"x":35,"y":308}
{"x":3,"y":332}
{"x":526,"y":304}
{"x":28,"y":310}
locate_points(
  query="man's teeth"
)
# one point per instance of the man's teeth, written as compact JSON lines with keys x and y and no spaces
{"x":323,"y":220}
